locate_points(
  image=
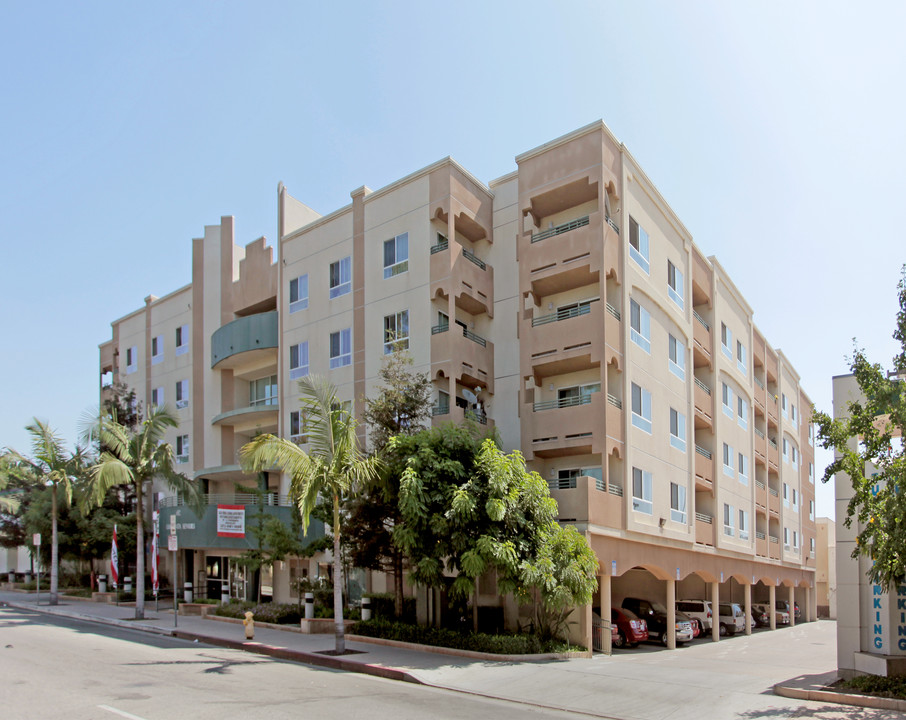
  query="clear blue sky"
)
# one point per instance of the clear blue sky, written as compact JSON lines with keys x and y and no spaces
{"x":775,"y":130}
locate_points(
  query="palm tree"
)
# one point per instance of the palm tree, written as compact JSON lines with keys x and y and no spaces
{"x":334,"y":466}
{"x":133,"y":458}
{"x":53,"y":466}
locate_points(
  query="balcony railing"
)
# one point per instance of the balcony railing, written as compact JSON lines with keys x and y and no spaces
{"x":616,"y":228}
{"x":440,"y":247}
{"x":440,"y":328}
{"x":758,"y":381}
{"x":773,"y":539}
{"x":773,"y":492}
{"x":759,"y":535}
{"x":702,"y":386}
{"x":571,"y":401}
{"x":614,"y":401}
{"x":475,"y":338}
{"x":773,"y":443}
{"x":474,"y":259}
{"x":564,"y":314}
{"x":704,"y":518}
{"x":481,"y":418}
{"x":615,"y":490}
{"x":701,"y":451}
{"x":701,"y":320}
{"x":612,"y":310}
{"x":560,"y":229}
{"x":440,"y":410}
{"x":268,"y":499}
{"x":759,"y":484}
{"x":759,"y":433}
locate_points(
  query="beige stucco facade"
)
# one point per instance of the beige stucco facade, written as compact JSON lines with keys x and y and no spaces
{"x":565,"y":305}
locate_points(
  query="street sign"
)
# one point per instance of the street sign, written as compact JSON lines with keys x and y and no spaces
{"x":173,"y":524}
{"x":171,"y":543}
{"x":36,"y":539}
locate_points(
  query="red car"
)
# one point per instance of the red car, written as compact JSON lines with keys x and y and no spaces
{"x":632,"y":629}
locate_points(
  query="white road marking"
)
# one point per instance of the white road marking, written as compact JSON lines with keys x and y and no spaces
{"x":121,"y":713}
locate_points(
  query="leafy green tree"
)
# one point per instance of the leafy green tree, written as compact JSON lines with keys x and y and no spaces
{"x":133,"y":458}
{"x":868,"y":447}
{"x":54,"y":467}
{"x":334,"y":466}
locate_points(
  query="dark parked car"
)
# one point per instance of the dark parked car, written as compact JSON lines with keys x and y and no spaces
{"x":632,"y":629}
{"x":655,"y":614}
{"x":760,"y":618}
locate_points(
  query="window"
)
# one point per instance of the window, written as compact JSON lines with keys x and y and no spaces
{"x":577,"y":395}
{"x":182,"y":448}
{"x":182,"y":394}
{"x":743,"y":524}
{"x":677,"y":353}
{"x":677,"y":430}
{"x":794,"y":454}
{"x":726,"y":340}
{"x":566,"y":477}
{"x":396,"y":255}
{"x":786,"y":495}
{"x":795,"y":541}
{"x":729,"y":457}
{"x":728,"y":520}
{"x":641,"y":491}
{"x":727,"y":400}
{"x":678,"y":503}
{"x":638,"y":244}
{"x":131,"y":359}
{"x":786,"y":538}
{"x":795,"y":503}
{"x":263,"y":391}
{"x":811,"y":473}
{"x":297,"y":427}
{"x":298,"y":293}
{"x":298,"y":360}
{"x":640,"y":326}
{"x":157,"y":349}
{"x":182,"y":340}
{"x":783,"y":408}
{"x":793,"y":414}
{"x":741,"y":357}
{"x":340,"y":277}
{"x":340,"y":348}
{"x":811,"y":547}
{"x":811,"y":434}
{"x":786,"y":451}
{"x":157,"y":396}
{"x":743,"y":467}
{"x":641,"y":408}
{"x":742,"y":412}
{"x":396,"y":332}
{"x":811,"y":509}
{"x":675,"y":284}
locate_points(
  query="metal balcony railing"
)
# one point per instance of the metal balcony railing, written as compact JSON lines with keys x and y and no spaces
{"x":612,"y":310}
{"x":440,"y":410}
{"x":571,"y":401}
{"x":759,"y":433}
{"x":772,"y":443}
{"x":773,"y":539}
{"x":759,"y":535}
{"x":441,"y":246}
{"x":758,"y":381}
{"x":475,"y":338}
{"x":440,"y":328}
{"x":560,"y":229}
{"x":473,"y":259}
{"x":616,"y":228}
{"x":701,"y":451}
{"x":481,"y":419}
{"x":615,"y":490}
{"x":614,"y":401}
{"x":704,"y":518}
{"x":701,"y":320}
{"x":759,"y":484}
{"x":564,"y":314}
{"x":773,"y":492}
{"x":704,"y":387}
{"x":267,"y":499}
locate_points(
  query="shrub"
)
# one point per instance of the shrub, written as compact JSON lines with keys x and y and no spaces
{"x":277,"y":613}
{"x":382,"y":606}
{"x":441,"y":637}
{"x":892,"y":687}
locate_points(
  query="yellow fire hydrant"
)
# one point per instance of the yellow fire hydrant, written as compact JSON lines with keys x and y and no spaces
{"x":249,"y":623}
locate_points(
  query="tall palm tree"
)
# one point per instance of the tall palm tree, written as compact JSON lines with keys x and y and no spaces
{"x":333,"y":466}
{"x":52,"y":465}
{"x":134,"y":458}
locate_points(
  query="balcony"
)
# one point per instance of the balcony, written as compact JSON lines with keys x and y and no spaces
{"x":761,"y":544}
{"x":462,"y":355}
{"x":704,"y":529}
{"x":560,"y":229}
{"x":249,"y":341}
{"x":565,"y":342}
{"x":588,"y":502}
{"x":441,"y":414}
{"x":773,"y":502}
{"x":774,"y":547}
{"x":701,"y":341}
{"x":571,"y":426}
{"x":760,"y":446}
{"x":704,"y":469}
{"x":263,"y":416}
{"x":454,"y":269}
{"x":761,"y":495}
{"x":773,"y":455}
{"x":202,"y":531}
{"x":703,"y":406}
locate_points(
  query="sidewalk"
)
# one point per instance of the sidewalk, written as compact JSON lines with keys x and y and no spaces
{"x":728,"y":678}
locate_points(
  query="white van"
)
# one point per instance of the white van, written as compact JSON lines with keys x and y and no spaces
{"x":732,"y":618}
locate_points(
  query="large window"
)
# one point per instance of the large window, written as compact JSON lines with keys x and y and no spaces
{"x":726,"y":340}
{"x":729,"y":459}
{"x":297,"y":429}
{"x":298,"y":293}
{"x":743,"y":467}
{"x":678,"y":503}
{"x":182,"y":340}
{"x":641,"y":408}
{"x":741,"y":358}
{"x":298,"y":360}
{"x":743,"y":524}
{"x":131,"y":359}
{"x":677,"y":430}
{"x":783,"y":406}
{"x":182,"y":448}
{"x":157,"y":396}
{"x":340,"y":277}
{"x":675,"y":284}
{"x":340,"y":348}
{"x":577,"y":394}
{"x":742,"y":412}
{"x":677,"y":354}
{"x":157,"y":349}
{"x":638,"y":244}
{"x":729,"y":528}
{"x":640,"y":326}
{"x":396,"y":332}
{"x":727,"y":396}
{"x":396,"y":255}
{"x":641,"y":491}
{"x":182,"y":394}
{"x":263,"y":391}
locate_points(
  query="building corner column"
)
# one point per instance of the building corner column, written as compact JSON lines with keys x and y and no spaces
{"x":715,"y":612}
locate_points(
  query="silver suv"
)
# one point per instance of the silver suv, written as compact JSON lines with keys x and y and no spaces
{"x":700,"y":610}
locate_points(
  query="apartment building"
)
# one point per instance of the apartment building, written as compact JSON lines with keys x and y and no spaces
{"x":565,"y":305}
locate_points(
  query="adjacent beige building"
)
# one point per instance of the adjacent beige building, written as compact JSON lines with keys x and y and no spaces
{"x":564,"y":304}
{"x":826,"y":568}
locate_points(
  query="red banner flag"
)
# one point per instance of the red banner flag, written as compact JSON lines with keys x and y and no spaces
{"x":114,"y":561}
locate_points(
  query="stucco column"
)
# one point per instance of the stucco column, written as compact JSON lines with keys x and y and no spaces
{"x":808,"y":605}
{"x":748,"y":607}
{"x":792,"y":605}
{"x":773,"y":603}
{"x":715,"y":611}
{"x":671,"y":614}
{"x":605,"y":609}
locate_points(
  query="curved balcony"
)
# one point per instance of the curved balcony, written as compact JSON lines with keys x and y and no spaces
{"x":455,"y":269}
{"x":246,"y":341}
{"x":262,"y":416}
{"x":462,"y":355}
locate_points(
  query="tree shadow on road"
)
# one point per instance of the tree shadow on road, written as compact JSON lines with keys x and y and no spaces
{"x":825,"y":710}
{"x":221,"y":666}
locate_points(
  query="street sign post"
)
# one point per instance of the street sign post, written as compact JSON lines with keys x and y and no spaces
{"x":36,"y":541}
{"x":173,"y":547}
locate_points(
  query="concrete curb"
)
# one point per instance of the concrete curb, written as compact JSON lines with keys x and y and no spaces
{"x":867,"y":701}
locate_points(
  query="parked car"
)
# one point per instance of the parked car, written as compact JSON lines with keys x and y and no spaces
{"x":782,"y":617}
{"x":760,"y":618}
{"x":655,"y":615}
{"x":631,"y":628}
{"x":732,"y":619}
{"x":785,"y":606}
{"x":699,"y":610}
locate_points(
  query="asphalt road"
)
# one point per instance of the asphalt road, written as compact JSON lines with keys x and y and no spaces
{"x":62,"y":668}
